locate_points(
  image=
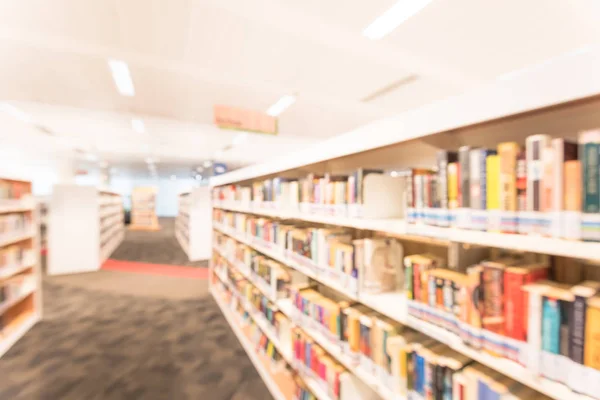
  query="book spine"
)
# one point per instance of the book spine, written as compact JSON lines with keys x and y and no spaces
{"x":534,"y":147}
{"x":573,"y":183}
{"x":514,"y":306}
{"x":474,"y":296}
{"x":592,"y":338}
{"x":442,"y":181}
{"x":548,"y":179}
{"x":521,"y":183}
{"x":453,"y":185}
{"x":589,"y":163}
{"x":550,"y":325}
{"x":577,"y":330}
{"x":492,"y":182}
{"x":417,"y":281}
{"x":465,"y":181}
{"x":475,"y":175}
{"x":409,"y":278}
{"x":508,"y":164}
{"x":534,"y":331}
{"x":565,"y":320}
{"x":493,"y":288}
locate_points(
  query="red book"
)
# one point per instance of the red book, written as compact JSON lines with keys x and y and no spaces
{"x":516,"y":300}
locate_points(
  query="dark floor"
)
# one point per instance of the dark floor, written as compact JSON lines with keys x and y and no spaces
{"x":155,"y":247}
{"x":97,"y":344}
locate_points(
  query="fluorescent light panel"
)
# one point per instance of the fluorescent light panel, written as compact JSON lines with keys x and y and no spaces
{"x":122,"y":77}
{"x":394,"y":17}
{"x":281,"y":105}
{"x":15,"y":112}
{"x":138,"y":125}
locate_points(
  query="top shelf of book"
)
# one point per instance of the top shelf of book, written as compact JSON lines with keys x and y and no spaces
{"x":556,"y":98}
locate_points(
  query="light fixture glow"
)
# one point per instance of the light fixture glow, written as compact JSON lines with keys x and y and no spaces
{"x":281,"y":105}
{"x":394,"y":174}
{"x":90,"y":156}
{"x":207,"y":164}
{"x":122,"y":77}
{"x":394,"y":17}
{"x":240,"y":139}
{"x":150,"y":160}
{"x":219,"y":169}
{"x":173,"y":177}
{"x":200,"y":169}
{"x":138,"y":125}
{"x":15,"y":112}
{"x":198,"y":177}
{"x":102,"y":164}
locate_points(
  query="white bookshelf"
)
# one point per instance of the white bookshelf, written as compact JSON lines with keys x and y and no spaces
{"x":535,"y":101}
{"x":86,"y":225}
{"x":193,"y":223}
{"x":20,"y":271}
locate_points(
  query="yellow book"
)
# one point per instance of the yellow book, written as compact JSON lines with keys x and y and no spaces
{"x":592,"y":334}
{"x":507,"y":153}
{"x":492,"y":165}
{"x":452,"y":185}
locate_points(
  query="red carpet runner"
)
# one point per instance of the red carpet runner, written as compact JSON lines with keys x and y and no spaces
{"x":156,"y":269}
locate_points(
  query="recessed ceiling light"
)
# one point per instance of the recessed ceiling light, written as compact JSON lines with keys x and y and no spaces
{"x":394,"y":174}
{"x":138,"y":125}
{"x":15,"y":112}
{"x":198,"y":177}
{"x":122,"y":77}
{"x":219,"y":169}
{"x":173,"y":177}
{"x":281,"y":105}
{"x":240,"y":139}
{"x":394,"y":17}
{"x":207,"y":164}
{"x":103,"y":164}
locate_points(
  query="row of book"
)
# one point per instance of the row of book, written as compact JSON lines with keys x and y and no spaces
{"x":337,"y":253}
{"x":15,"y":287}
{"x":356,"y":195}
{"x":507,"y":307}
{"x":542,"y":188}
{"x":16,"y":223}
{"x":403,"y":361}
{"x":13,"y":190}
{"x":15,"y":256}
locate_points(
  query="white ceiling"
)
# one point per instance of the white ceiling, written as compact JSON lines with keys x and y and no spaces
{"x":186,"y":56}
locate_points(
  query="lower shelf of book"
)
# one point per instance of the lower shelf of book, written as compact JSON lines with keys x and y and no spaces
{"x":398,"y":308}
{"x":16,"y":330}
{"x":279,"y":383}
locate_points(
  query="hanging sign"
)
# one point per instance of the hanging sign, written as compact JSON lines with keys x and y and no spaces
{"x":227,"y":117}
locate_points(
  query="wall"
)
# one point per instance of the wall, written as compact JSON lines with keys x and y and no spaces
{"x":168,"y":191}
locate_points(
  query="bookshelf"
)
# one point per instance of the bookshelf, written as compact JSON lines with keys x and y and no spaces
{"x":263,"y":210}
{"x":193,"y":223}
{"x":20,"y":275}
{"x":85,"y":226}
{"x":143,"y":209}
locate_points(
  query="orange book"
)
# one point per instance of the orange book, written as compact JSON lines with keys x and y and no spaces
{"x":572,"y":185}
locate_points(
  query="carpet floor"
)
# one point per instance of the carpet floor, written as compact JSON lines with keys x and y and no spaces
{"x":159,"y":247}
{"x":102,"y":345}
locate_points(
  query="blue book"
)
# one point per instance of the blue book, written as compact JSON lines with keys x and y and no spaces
{"x":551,"y":325}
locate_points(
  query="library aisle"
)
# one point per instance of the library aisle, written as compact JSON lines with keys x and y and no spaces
{"x":122,"y":335}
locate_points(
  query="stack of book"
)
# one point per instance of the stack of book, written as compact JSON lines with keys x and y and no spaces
{"x":549,"y":187}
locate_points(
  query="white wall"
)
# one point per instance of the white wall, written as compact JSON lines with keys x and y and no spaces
{"x":168,"y":191}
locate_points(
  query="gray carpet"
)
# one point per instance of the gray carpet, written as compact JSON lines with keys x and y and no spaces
{"x":102,"y":345}
{"x":159,"y":247}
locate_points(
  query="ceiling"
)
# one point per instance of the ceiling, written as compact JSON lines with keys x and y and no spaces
{"x":186,"y":56}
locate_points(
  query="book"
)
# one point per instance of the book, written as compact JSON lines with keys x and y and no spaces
{"x":492,"y":166}
{"x":464,"y":197}
{"x":507,"y":153}
{"x":521,"y":183}
{"x":444,"y":158}
{"x":548,"y":179}
{"x":582,"y":293}
{"x":453,"y":200}
{"x":589,"y":142}
{"x":534,"y":147}
{"x":572,"y":186}
{"x":478,"y":177}
{"x":493,"y":302}
{"x":592,"y":334}
{"x":564,"y":151}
